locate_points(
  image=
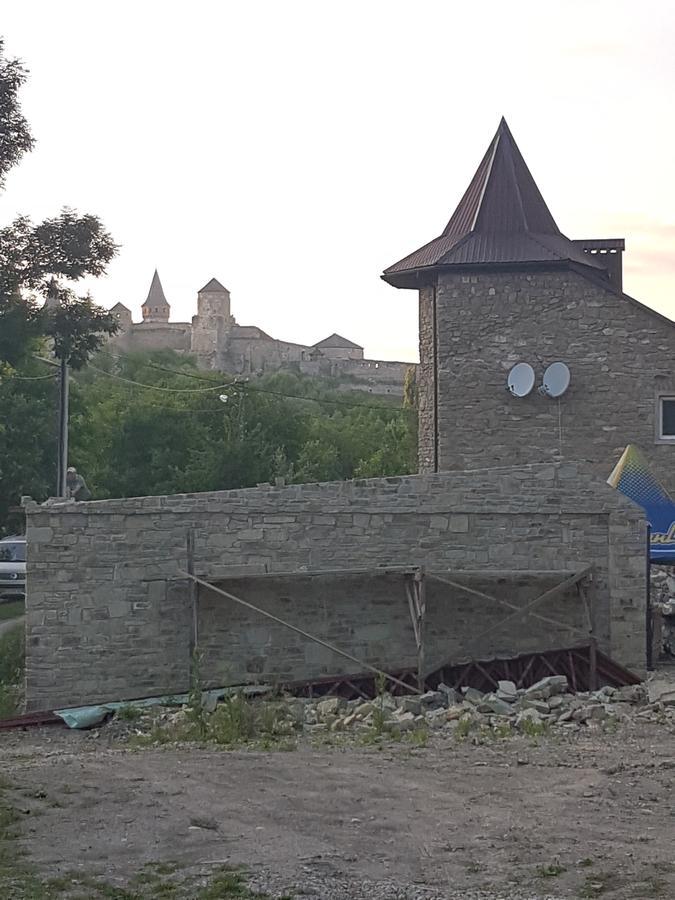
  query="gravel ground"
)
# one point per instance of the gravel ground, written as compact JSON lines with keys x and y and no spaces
{"x":584,"y":814}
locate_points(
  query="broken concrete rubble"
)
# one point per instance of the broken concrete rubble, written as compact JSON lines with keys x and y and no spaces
{"x":474,"y":712}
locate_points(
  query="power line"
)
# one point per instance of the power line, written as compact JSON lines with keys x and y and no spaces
{"x":390,"y":409}
{"x":29,"y":377}
{"x":246,"y":385}
{"x":156,"y":387}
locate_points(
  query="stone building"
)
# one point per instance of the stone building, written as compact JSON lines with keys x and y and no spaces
{"x":220,"y":343}
{"x":503,"y":285}
{"x":525,"y":520}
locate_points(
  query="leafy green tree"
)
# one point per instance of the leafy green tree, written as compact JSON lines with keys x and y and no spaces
{"x":76,"y":326}
{"x":27,"y":440}
{"x":67,"y":246}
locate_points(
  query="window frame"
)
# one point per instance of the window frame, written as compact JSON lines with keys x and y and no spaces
{"x":661,"y":437}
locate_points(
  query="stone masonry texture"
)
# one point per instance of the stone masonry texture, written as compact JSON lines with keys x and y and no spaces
{"x":108,"y":612}
{"x":620,"y":354}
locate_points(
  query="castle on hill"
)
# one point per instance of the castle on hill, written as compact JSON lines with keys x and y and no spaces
{"x":220,"y":343}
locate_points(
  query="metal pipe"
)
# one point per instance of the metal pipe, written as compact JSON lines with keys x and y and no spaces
{"x":61,"y":488}
{"x":649,"y":618}
{"x":297,"y":630}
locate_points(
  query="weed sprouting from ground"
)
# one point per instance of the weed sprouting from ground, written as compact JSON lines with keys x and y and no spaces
{"x":129,"y":713}
{"x":550,"y":870}
{"x":532,"y":728}
{"x":236,"y":721}
{"x":465,"y":726}
{"x":12,"y":665}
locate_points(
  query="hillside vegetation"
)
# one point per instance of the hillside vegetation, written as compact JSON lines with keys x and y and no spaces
{"x":153,"y":423}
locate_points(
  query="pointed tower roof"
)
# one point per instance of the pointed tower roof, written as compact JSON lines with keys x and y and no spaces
{"x":214,"y":286}
{"x":502,"y":218}
{"x":156,"y":296}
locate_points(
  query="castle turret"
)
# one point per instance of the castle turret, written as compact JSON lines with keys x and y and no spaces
{"x":123,"y":315}
{"x":212,"y":323}
{"x":156,"y":307}
{"x":503,"y":284}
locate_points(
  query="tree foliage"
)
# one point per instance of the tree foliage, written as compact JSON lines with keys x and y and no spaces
{"x":175,"y":434}
{"x":15,"y":136}
{"x":77,"y":327}
{"x":67,"y":246}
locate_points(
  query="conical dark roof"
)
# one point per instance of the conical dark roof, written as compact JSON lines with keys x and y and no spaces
{"x":156,"y":296}
{"x":502,"y":218}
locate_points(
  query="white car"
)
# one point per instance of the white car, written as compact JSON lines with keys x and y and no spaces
{"x":12,"y":567}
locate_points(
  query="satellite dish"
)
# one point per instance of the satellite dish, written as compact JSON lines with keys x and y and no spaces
{"x":556,"y":380}
{"x":521,"y":380}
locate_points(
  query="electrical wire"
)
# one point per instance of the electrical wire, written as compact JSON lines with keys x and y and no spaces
{"x":247,"y":386}
{"x":29,"y":377}
{"x":156,"y":387}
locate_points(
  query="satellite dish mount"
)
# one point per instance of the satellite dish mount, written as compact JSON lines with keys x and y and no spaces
{"x":556,"y":380}
{"x":521,"y":380}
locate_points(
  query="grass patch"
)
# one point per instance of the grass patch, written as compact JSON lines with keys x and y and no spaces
{"x":465,"y":726}
{"x":596,"y":884}
{"x":128,"y":713}
{"x":12,"y":666}
{"x":533,"y":728}
{"x":552,"y":870}
{"x":229,"y":883}
{"x":11,"y":610}
{"x":235,"y":722}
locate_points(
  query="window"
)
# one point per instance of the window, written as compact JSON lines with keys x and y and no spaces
{"x":12,"y":552}
{"x":667,"y":418}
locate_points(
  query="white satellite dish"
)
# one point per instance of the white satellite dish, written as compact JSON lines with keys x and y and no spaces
{"x":556,"y":380}
{"x":521,"y":379}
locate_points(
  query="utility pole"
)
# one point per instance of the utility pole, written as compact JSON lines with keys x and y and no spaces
{"x":63,"y":429}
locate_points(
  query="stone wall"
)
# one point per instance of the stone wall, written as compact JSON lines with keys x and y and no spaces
{"x":621,"y":357}
{"x":108,"y":613}
{"x":147,"y":336}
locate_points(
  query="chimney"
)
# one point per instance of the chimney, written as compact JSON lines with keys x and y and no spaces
{"x":608,"y":253}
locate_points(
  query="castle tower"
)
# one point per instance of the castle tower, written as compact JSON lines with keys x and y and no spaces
{"x":501,"y":285}
{"x":156,"y":307}
{"x":211,"y":325}
{"x":123,"y":315}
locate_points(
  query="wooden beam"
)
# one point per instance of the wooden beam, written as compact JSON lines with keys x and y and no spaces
{"x":593,"y":640}
{"x":412,"y":606}
{"x":419,"y":592}
{"x":542,"y":598}
{"x":194,"y":601}
{"x":505,"y":603}
{"x":300,"y":631}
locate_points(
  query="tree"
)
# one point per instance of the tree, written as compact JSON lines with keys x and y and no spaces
{"x":27,"y":439}
{"x":77,"y":327}
{"x":67,"y":246}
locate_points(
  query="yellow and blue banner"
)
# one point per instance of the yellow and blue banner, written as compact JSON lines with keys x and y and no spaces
{"x":632,"y":477}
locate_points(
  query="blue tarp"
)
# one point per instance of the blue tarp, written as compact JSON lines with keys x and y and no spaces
{"x":632,"y":477}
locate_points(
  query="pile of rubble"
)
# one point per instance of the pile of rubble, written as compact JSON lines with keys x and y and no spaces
{"x":545,"y":704}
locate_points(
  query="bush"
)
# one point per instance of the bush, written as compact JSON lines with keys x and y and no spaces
{"x":12,"y":666}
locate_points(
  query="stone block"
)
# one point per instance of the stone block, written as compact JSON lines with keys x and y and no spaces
{"x":40,"y":535}
{"x":439,"y":523}
{"x":459,"y":524}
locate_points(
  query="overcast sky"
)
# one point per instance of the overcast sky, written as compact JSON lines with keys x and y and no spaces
{"x":294,"y":149}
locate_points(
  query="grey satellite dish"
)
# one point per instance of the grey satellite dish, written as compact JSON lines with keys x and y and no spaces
{"x":556,"y":380}
{"x":521,"y":379}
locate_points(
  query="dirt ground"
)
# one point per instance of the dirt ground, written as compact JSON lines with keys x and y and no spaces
{"x":583,"y":815}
